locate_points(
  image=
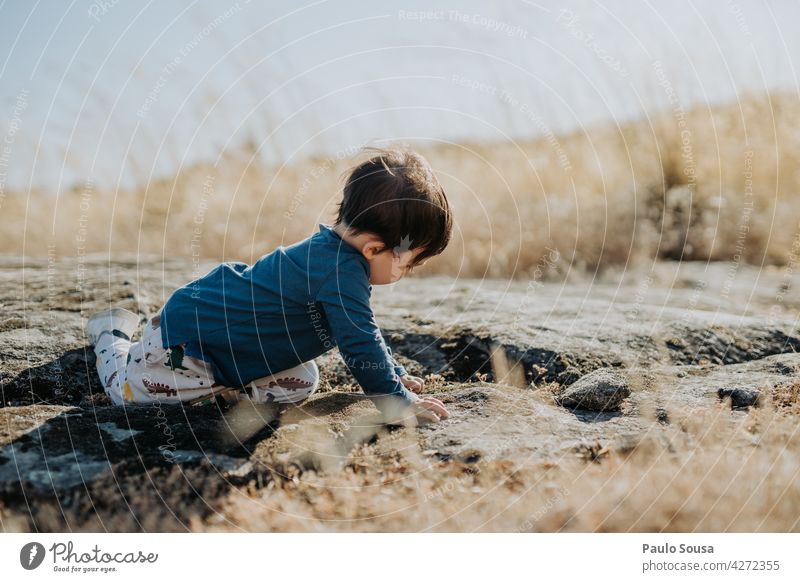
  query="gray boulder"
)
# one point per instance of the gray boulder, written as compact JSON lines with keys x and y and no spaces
{"x":741,"y":397}
{"x":599,"y":390}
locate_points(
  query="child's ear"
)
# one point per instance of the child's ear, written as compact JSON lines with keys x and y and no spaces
{"x":372,"y":248}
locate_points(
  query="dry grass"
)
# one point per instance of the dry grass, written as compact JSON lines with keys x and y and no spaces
{"x":711,"y":470}
{"x":708,"y":470}
{"x":711,"y":183}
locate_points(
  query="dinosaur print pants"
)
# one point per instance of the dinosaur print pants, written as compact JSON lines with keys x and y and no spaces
{"x":146,"y":371}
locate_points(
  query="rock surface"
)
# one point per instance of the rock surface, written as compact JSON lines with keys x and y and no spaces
{"x":70,"y":460}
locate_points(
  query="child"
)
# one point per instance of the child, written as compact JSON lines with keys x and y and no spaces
{"x":256,"y":329}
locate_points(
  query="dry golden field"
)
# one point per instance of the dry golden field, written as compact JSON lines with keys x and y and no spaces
{"x":716,"y":183}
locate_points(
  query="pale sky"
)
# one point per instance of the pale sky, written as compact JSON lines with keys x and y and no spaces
{"x":135,"y":89}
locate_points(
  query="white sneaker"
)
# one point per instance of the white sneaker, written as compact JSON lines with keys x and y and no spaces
{"x":111,"y":320}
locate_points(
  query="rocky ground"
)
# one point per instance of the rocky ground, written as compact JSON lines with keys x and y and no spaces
{"x":556,"y":390}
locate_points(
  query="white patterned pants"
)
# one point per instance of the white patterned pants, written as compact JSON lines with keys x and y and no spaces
{"x":146,"y":371}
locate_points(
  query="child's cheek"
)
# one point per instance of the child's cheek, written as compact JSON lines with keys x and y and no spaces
{"x":381,"y":273}
{"x":397,"y":270}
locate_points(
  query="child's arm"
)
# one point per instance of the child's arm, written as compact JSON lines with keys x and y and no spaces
{"x":344,"y":297}
{"x":399,"y":368}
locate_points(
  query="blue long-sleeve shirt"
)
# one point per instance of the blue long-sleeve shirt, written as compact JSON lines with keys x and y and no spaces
{"x":292,"y":305}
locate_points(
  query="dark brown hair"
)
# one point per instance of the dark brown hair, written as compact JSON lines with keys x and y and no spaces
{"x":395,"y":196}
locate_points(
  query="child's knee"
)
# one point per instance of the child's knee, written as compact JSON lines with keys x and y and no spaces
{"x":289,"y":386}
{"x":124,"y":390}
{"x":132,"y":391}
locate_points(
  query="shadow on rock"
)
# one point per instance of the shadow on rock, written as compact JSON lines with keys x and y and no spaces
{"x":70,"y":379}
{"x":161,"y":467}
{"x":77,"y":468}
{"x":595,"y":415}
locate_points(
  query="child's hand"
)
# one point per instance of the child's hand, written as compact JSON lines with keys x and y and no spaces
{"x":429,"y":409}
{"x":413,"y":383}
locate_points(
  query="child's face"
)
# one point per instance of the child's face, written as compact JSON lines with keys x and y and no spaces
{"x":390,"y":266}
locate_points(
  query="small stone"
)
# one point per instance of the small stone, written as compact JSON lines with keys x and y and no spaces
{"x":787,"y":368}
{"x":470,"y":456}
{"x":239,"y":471}
{"x":599,"y":390}
{"x":740,"y":397}
{"x":676,"y":343}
